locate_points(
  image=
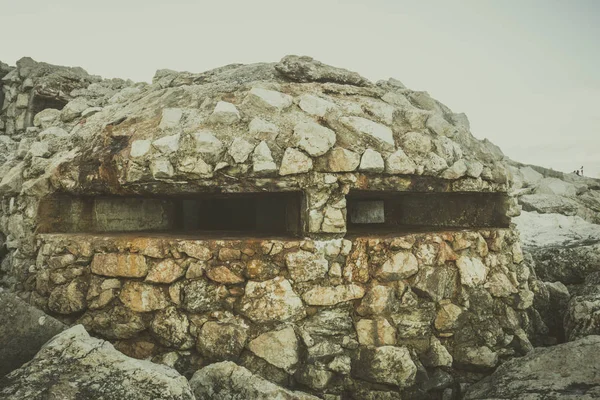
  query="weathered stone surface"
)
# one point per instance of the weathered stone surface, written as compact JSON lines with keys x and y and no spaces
{"x":582,"y":316}
{"x":269,"y":99}
{"x":565,"y":371}
{"x":307,"y":69}
{"x":314,"y":138}
{"x":295,"y":162}
{"x":387,"y":364}
{"x":400,"y":266}
{"x":342,"y":160}
{"x":221,"y":340}
{"x":226,"y":380}
{"x":305,"y":266}
{"x":201,"y":296}
{"x":222,"y":274}
{"x":224,"y":113}
{"x":240,"y":149}
{"x":172,"y":328}
{"x":121,"y":265}
{"x":167,"y":144}
{"x":375,"y":332}
{"x":279,"y":348}
{"x":328,"y":296}
{"x":143,"y":297}
{"x":315,"y":105}
{"x":482,"y":358}
{"x":23,"y":331}
{"x":272,"y":300}
{"x":472,"y":271}
{"x":119,"y":322}
{"x":165,"y":271}
{"x":69,"y":298}
{"x":378,"y":132}
{"x":378,"y":300}
{"x":262,"y":159}
{"x":447,"y":317}
{"x":399,"y":163}
{"x":371,"y":161}
{"x":74,"y":365}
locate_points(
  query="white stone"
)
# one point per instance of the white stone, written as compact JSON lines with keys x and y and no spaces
{"x":46,"y":118}
{"x":530,"y":176}
{"x":440,"y":126}
{"x":73,"y":109}
{"x":314,"y":138}
{"x":375,"y":332}
{"x":379,"y":132}
{"x":167,"y":144}
{"x":399,"y":163}
{"x":400,"y":266}
{"x":371,"y":161}
{"x":295,"y":162}
{"x":474,"y":168}
{"x":262,"y":159}
{"x":224,"y":113}
{"x":379,"y":109}
{"x":195,"y":166}
{"x":331,"y":295}
{"x":240,"y":150}
{"x":263,"y":130}
{"x":39,"y":149}
{"x":170,"y":118}
{"x":278,"y":348}
{"x":415,"y":143}
{"x":271,"y":98}
{"x":88,"y":112}
{"x":207,"y":144}
{"x":161,"y":168}
{"x":52,"y":132}
{"x":314,"y":105}
{"x":472,"y":271}
{"x":139,"y":148}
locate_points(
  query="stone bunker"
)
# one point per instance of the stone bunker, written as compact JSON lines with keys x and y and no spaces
{"x":328,"y":233}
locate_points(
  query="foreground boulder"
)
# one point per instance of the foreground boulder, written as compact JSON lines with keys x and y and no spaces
{"x":583,"y":311}
{"x":74,"y":365}
{"x":227,"y":380}
{"x":23,"y":331}
{"x":565,"y":371}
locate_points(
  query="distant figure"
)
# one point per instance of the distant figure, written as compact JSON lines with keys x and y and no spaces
{"x":581,"y":171}
{"x":576,"y":171}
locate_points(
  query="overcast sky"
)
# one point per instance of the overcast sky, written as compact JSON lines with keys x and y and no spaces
{"x":526,"y":72}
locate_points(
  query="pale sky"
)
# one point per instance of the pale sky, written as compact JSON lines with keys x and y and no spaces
{"x":526,"y":72}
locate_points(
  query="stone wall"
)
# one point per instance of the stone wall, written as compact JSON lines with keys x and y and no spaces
{"x":322,"y":315}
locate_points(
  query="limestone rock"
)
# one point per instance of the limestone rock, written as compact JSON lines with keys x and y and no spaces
{"x":272,"y":300}
{"x":208,"y":146}
{"x":119,"y":265}
{"x":583,"y":314}
{"x":381,"y":134}
{"x":161,"y":168}
{"x":279,"y":348}
{"x":307,"y":69}
{"x":472,"y":271}
{"x":171,"y":327}
{"x":378,"y":300}
{"x":143,"y":297}
{"x":227,"y":380}
{"x":328,"y":296}
{"x":165,"y":271}
{"x":447,"y":317}
{"x":371,"y":161}
{"x":139,"y":148}
{"x":221,"y":340}
{"x":240,"y":149}
{"x":74,"y":365}
{"x":170,"y":118}
{"x":565,"y":371}
{"x":69,"y":298}
{"x":400,"y":266}
{"x":481,"y":358}
{"x":167,"y":144}
{"x":261,"y":129}
{"x":305,"y":266}
{"x":23,"y":330}
{"x":201,"y":296}
{"x":262,"y":159}
{"x":314,"y":105}
{"x":386,"y":364}
{"x":342,"y":160}
{"x":269,"y":99}
{"x":295,"y":162}
{"x":399,"y":163}
{"x":224,"y":113}
{"x":314,"y":138}
{"x":222,"y":274}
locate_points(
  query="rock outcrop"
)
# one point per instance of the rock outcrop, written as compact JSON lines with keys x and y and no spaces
{"x":24,"y":329}
{"x":567,"y":372}
{"x":74,"y":365}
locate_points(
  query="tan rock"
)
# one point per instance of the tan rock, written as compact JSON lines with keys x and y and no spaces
{"x":222,"y":274}
{"x":472,"y":271}
{"x":305,"y":266}
{"x":229,"y":254}
{"x":328,"y":296}
{"x":119,"y":264}
{"x":378,"y":300}
{"x":165,"y":271}
{"x":195,"y":249}
{"x":143,"y":297}
{"x":400,"y":266}
{"x":447,"y":317}
{"x":272,"y":300}
{"x":279,"y":348}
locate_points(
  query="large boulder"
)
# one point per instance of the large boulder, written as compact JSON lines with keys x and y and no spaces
{"x":567,"y":371}
{"x":227,"y":380}
{"x":74,"y":365}
{"x":583,"y":311}
{"x":23,"y":331}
